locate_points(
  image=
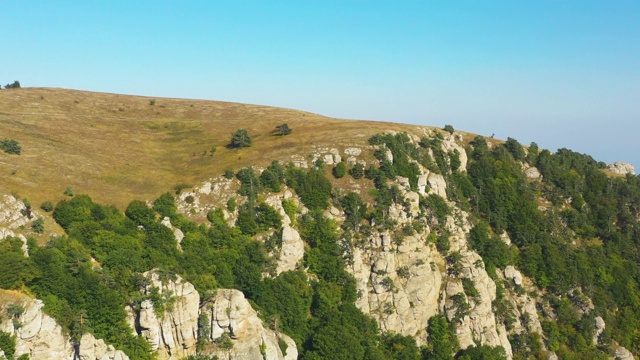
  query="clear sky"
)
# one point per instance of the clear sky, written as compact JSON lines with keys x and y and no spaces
{"x":560,"y":73}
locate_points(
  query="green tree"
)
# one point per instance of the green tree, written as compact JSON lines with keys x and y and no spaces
{"x":357,"y":171}
{"x":14,"y":85}
{"x":7,"y":344}
{"x":38,"y":225}
{"x":339,"y":170}
{"x":165,"y":204}
{"x":46,"y":206}
{"x":484,"y":352}
{"x":515,"y":149}
{"x":140,"y":213}
{"x":442,"y":340}
{"x":282,"y":130}
{"x":10,"y":146}
{"x":240,"y":139}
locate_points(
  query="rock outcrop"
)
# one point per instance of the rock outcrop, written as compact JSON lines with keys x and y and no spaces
{"x":39,"y":336}
{"x":622,"y":168}
{"x":400,"y":283}
{"x":177,"y":233}
{"x":230,"y":316}
{"x":173,"y":332}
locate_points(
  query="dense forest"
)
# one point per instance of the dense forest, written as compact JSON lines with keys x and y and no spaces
{"x":574,"y":232}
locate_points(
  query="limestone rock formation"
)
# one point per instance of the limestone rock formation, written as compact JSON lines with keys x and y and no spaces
{"x":177,"y":233}
{"x":230,"y":315}
{"x":399,"y":283}
{"x":12,"y":212}
{"x":533,"y":173}
{"x":42,"y":338}
{"x":173,"y":334}
{"x":292,"y":250}
{"x":622,"y":168}
{"x":599,"y":328}
{"x":623,"y":354}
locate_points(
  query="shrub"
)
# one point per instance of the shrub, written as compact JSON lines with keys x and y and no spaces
{"x":229,"y":174}
{"x":290,"y":209}
{"x":454,"y":160}
{"x":10,"y":146}
{"x":232,"y":204}
{"x":38,"y":225}
{"x":216,"y":216}
{"x":47,"y":206}
{"x":449,"y":129}
{"x":282,"y":130}
{"x":339,"y":170}
{"x":8,"y":344}
{"x":152,"y":102}
{"x":178,"y":188}
{"x":357,"y":171}
{"x":403,"y":272}
{"x":442,"y":243}
{"x":68,"y":191}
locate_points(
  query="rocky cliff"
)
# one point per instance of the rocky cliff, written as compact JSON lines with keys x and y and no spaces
{"x":41,"y":338}
{"x":225,"y":322}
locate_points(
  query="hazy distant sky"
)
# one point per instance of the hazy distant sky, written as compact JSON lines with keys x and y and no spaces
{"x":561,"y":73}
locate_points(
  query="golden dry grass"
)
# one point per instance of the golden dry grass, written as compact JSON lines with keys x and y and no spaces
{"x":117,"y":148}
{"x":8,"y":297}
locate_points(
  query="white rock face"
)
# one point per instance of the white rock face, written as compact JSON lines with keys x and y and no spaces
{"x":622,"y":168}
{"x":353,"y":151}
{"x":292,"y":250}
{"x":422,"y":184}
{"x":510,"y":272}
{"x":229,"y":312}
{"x":174,"y":334}
{"x":11,"y":212}
{"x":522,"y":304}
{"x":599,"y":327}
{"x":91,"y":349}
{"x":43,"y":339}
{"x":480,"y":323}
{"x":405,"y":302}
{"x":623,"y":354}
{"x":177,"y":233}
{"x":5,"y":233}
{"x":437,"y":184}
{"x":450,"y":145}
{"x":533,"y":173}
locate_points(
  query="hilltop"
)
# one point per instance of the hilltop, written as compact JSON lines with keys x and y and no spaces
{"x":120,"y":147}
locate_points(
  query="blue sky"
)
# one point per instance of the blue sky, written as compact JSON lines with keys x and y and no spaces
{"x":560,"y":73}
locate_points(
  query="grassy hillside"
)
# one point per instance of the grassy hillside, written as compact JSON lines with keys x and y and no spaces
{"x":119,"y":147}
